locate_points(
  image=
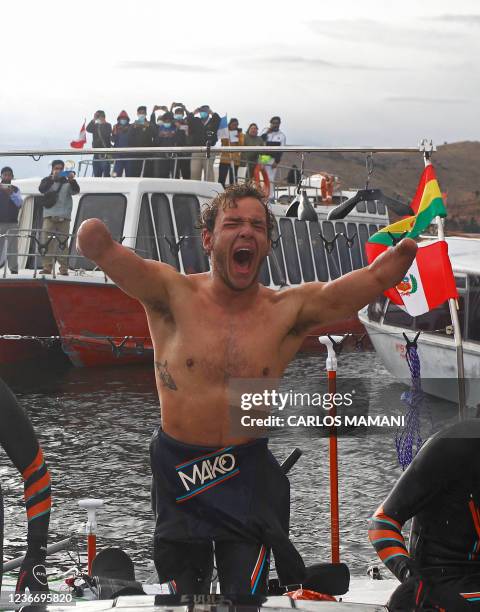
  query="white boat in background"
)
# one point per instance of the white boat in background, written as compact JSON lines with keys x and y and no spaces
{"x":386,"y":323}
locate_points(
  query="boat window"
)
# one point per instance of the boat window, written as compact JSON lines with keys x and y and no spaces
{"x":381,"y":207}
{"x":361,"y":207}
{"x":343,"y":248}
{"x":363,"y":235}
{"x":264,"y":275}
{"x":304,"y":250}
{"x":473,"y":328}
{"x":461,"y":282}
{"x":277,"y":265}
{"x":318,"y":249}
{"x":290,"y":249}
{"x":355,"y":250}
{"x":397,"y":316}
{"x":372,"y":229}
{"x":37,"y":222}
{"x":375,"y":309}
{"x":372,"y":207}
{"x":155,"y":227}
{"x":438,"y":319}
{"x":332,"y":258}
{"x":187,"y":213}
{"x":110,"y":208}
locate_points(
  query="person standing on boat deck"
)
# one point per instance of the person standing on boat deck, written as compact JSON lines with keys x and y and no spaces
{"x":101,"y":131}
{"x":252,"y":139}
{"x":19,"y":441}
{"x":440,"y":490}
{"x":273,"y":137}
{"x":183,"y":159}
{"x":209,"y":330}
{"x":120,"y":139}
{"x":202,"y":128}
{"x":56,"y":219}
{"x":165,"y":134}
{"x":229,"y":162}
{"x":10,"y":203}
{"x":140,"y":136}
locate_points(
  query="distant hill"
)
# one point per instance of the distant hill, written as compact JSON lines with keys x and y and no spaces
{"x":458,"y":170}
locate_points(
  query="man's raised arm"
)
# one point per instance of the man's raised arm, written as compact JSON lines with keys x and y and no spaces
{"x":323,"y":303}
{"x":142,"y":279}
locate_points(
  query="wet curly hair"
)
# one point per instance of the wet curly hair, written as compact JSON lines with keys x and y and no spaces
{"x":228,"y":199}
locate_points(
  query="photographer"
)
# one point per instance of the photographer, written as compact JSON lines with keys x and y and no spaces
{"x":58,"y":189}
{"x":229,"y":162}
{"x":202,"y":128}
{"x":101,"y":131}
{"x":10,"y":203}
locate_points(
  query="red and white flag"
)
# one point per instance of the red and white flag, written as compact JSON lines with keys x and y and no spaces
{"x":82,"y":138}
{"x":428,"y":283}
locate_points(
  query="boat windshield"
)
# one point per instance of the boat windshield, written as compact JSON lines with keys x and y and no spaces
{"x":473,"y":328}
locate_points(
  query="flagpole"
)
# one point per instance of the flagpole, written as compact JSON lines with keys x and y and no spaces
{"x":457,"y":331}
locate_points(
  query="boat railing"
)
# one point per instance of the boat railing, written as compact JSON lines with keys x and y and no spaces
{"x":284,"y":191}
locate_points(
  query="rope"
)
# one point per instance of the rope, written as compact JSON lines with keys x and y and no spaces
{"x":409,"y":441}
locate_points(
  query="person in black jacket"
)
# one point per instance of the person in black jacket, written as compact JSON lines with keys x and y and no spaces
{"x":19,"y":441}
{"x":202,"y":129}
{"x":165,"y":134}
{"x":183,"y":159}
{"x":140,"y":135}
{"x":102,"y":138}
{"x":10,"y":204}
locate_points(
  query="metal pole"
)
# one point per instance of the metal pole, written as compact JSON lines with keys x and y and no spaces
{"x":53,"y":548}
{"x":457,"y":336}
{"x":208,"y":150}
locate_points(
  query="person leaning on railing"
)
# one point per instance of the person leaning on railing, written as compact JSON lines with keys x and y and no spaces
{"x":252,"y":139}
{"x":10,"y":204}
{"x":56,"y":218}
{"x":229,"y":162}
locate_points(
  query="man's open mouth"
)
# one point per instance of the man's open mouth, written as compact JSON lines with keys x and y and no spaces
{"x":243,"y":258}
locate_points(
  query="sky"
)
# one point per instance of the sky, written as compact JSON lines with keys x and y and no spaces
{"x":349,"y":72}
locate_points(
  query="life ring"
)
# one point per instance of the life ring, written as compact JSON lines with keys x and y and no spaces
{"x":265,"y":182}
{"x":326,"y":188}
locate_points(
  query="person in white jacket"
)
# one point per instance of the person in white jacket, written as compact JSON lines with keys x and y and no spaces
{"x":273,"y":137}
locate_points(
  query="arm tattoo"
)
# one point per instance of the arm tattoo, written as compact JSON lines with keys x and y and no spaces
{"x":165,"y":376}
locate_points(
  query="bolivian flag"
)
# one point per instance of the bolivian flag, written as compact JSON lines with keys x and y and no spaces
{"x":430,"y":281}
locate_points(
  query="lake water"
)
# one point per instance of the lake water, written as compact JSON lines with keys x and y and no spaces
{"x":95,"y":425}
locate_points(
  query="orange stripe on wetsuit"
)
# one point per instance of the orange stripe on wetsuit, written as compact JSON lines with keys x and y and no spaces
{"x":386,"y":537}
{"x":37,"y":485}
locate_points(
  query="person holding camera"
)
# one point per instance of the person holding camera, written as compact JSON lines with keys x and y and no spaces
{"x":10,"y":204}
{"x":229,"y":162}
{"x":202,"y":128}
{"x":58,"y":189}
{"x":101,"y":131}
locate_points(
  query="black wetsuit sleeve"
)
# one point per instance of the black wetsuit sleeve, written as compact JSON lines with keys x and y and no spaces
{"x":20,"y":443}
{"x":440,"y":462}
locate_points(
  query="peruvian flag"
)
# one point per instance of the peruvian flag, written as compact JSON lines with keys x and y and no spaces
{"x":428,"y":283}
{"x":82,"y":138}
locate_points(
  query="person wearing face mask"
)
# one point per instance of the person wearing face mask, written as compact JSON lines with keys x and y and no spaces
{"x":229,"y":162}
{"x":101,"y":131}
{"x":183,"y":159}
{"x":140,"y":135}
{"x":252,"y":139}
{"x":273,"y":137}
{"x":120,"y":139}
{"x":164,"y":135}
{"x":202,"y":127}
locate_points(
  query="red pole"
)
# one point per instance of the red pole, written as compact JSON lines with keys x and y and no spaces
{"x":91,"y":550}
{"x":333,"y":448}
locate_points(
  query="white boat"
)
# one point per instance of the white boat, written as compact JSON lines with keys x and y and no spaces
{"x":386,"y":323}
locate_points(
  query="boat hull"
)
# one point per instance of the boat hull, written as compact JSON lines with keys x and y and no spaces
{"x":25,"y":310}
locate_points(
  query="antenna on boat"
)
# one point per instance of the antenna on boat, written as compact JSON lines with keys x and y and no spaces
{"x":333,"y":343}
{"x":452,"y":304}
{"x":91,"y":506}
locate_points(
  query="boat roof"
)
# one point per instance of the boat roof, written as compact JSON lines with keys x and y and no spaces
{"x":464,"y":253}
{"x":89,"y":184}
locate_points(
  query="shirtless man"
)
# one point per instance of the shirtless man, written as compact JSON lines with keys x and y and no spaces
{"x":208,"y":329}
